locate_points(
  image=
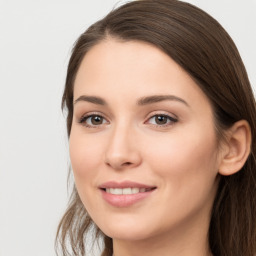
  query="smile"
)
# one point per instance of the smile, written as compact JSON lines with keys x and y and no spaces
{"x":126,"y":191}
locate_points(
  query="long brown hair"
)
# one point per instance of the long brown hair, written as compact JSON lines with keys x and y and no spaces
{"x":199,"y":44}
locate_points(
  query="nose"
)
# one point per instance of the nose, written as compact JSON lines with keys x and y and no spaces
{"x":122,"y":151}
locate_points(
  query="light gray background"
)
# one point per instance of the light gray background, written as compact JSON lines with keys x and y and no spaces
{"x":35,"y":42}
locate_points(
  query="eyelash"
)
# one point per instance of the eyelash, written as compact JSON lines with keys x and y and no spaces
{"x":171,"y":119}
{"x":84,"y":118}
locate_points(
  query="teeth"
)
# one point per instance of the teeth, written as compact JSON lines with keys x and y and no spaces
{"x":135,"y":190}
{"x":116,"y":191}
{"x":126,"y":191}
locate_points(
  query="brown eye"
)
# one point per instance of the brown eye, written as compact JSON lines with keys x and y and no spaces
{"x":162,"y":120}
{"x":96,"y":120}
{"x":93,"y":120}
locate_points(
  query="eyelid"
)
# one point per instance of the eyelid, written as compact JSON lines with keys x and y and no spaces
{"x":85,"y":116}
{"x":173,"y":118}
{"x":164,"y":113}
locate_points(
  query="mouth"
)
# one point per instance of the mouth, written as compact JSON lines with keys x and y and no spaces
{"x":126,"y":191}
{"x":125,"y":194}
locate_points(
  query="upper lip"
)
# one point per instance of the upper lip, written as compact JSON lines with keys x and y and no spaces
{"x":124,"y":184}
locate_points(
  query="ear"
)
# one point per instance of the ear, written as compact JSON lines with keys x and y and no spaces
{"x":236,"y":149}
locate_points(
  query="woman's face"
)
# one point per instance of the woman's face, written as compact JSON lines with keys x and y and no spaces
{"x":143,"y":145}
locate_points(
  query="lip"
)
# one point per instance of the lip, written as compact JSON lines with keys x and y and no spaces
{"x":125,"y":200}
{"x":124,"y":184}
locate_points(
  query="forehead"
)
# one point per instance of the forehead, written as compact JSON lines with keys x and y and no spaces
{"x":113,"y":58}
{"x":129,"y":70}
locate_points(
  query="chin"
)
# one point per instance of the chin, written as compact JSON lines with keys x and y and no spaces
{"x":129,"y":229}
{"x":127,"y":235}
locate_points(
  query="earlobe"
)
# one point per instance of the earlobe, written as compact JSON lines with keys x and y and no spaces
{"x":238,"y":147}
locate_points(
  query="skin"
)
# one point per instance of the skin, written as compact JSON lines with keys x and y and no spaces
{"x":181,"y":158}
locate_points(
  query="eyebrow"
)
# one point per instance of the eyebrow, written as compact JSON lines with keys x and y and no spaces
{"x":92,"y":99}
{"x":140,"y":102}
{"x":157,"y":98}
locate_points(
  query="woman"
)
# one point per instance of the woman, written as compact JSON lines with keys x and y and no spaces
{"x":161,"y":120}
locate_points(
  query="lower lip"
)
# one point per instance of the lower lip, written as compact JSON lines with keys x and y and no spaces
{"x":125,"y":200}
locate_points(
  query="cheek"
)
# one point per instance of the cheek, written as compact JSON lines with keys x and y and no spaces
{"x":85,"y":156}
{"x":186,"y":160}
{"x":186,"y":169}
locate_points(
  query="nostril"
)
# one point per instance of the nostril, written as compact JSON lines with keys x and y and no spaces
{"x":127,"y":163}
